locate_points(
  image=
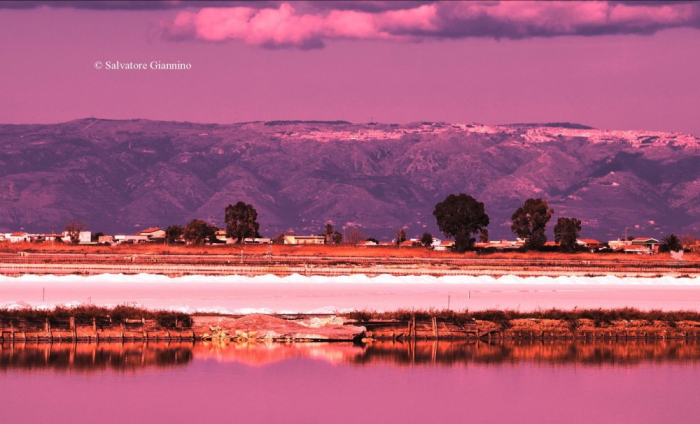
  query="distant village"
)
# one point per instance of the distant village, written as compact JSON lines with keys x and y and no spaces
{"x":157,"y":235}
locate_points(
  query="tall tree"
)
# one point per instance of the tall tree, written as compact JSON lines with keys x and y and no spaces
{"x":460,"y":216}
{"x":328,"y":233}
{"x":198,"y":231}
{"x":530,"y":222}
{"x":337,"y":237}
{"x":566,"y":233}
{"x":241,"y":221}
{"x":173,"y":233}
{"x":400,"y":236}
{"x":73,"y":228}
{"x":484,"y":236}
{"x":354,"y":236}
{"x":427,"y":239}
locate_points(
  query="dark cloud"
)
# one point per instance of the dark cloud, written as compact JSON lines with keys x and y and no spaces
{"x":309,"y":24}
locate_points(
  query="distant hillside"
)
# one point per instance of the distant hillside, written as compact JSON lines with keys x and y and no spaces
{"x":120,"y":176}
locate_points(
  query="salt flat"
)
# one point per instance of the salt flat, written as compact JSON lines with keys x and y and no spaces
{"x":236,"y":294}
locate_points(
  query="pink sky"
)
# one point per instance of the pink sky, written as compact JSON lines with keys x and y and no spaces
{"x":608,"y":65}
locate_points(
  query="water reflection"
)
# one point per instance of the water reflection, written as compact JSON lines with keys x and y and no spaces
{"x":549,"y":352}
{"x":90,"y":357}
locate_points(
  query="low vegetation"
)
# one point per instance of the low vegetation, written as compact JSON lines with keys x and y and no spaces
{"x":599,"y":316}
{"x":84,"y":314}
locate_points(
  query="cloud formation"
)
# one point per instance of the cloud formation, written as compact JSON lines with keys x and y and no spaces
{"x":308,"y":26}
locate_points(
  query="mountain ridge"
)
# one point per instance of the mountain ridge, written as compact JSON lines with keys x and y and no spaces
{"x":122,"y":175}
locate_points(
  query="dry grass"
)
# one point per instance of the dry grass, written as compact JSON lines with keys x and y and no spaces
{"x":318,"y":251}
{"x":599,"y":316}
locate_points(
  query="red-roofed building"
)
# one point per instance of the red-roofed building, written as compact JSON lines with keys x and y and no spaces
{"x":445,"y":245}
{"x":591,"y":244}
{"x":153,"y":233}
{"x":18,"y":237}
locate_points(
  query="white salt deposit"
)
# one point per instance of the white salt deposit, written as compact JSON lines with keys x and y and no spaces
{"x":321,"y":295}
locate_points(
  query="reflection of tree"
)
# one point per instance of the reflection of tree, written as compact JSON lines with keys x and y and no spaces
{"x":91,"y":357}
{"x":557,"y":352}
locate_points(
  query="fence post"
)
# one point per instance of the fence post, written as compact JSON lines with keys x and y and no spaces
{"x":72,"y":329}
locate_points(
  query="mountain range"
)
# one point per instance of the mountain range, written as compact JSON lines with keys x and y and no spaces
{"x":120,"y":176}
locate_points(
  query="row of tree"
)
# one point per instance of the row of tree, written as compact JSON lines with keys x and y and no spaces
{"x":463,"y":217}
{"x":459,"y":216}
{"x":241,"y":222}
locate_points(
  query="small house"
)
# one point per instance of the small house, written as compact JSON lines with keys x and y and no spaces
{"x":445,"y":245}
{"x":590,"y":244}
{"x":18,"y":237}
{"x":297,"y":240}
{"x":153,"y":233}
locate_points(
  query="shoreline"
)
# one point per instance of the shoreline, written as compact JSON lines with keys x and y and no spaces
{"x":121,"y":324}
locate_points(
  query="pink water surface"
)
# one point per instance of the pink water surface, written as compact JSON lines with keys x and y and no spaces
{"x":307,"y":390}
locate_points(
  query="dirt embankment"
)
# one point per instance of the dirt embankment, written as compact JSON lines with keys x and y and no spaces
{"x":534,"y":329}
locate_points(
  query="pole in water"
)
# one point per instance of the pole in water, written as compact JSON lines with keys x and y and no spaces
{"x":448,"y":302}
{"x":470,"y":294}
{"x":43,"y":293}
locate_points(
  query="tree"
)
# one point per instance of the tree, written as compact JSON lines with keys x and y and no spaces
{"x":199,"y":232}
{"x":354,"y":236}
{"x":173,"y":233}
{"x":400,"y":236}
{"x":328,"y":233}
{"x":241,"y":222}
{"x":460,"y":216}
{"x":427,"y":239}
{"x":337,"y":237}
{"x":73,"y":228}
{"x":670,"y":243}
{"x":530,"y":222}
{"x":566,"y":233}
{"x":484,"y":236}
{"x":689,"y":241}
{"x":279,"y":239}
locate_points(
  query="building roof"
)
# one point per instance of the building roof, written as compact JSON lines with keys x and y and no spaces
{"x":641,"y":240}
{"x":151,"y":230}
{"x":589,"y":241}
{"x":18,"y":234}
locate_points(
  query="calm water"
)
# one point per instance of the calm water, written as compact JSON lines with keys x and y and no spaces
{"x":389,"y":382}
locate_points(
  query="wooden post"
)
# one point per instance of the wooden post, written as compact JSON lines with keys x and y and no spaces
{"x":435,"y":329}
{"x":413,"y":325}
{"x":12,"y":330}
{"x":72,"y":329}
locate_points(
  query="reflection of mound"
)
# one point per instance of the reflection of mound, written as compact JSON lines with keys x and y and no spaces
{"x":90,"y":357}
{"x":463,"y":353}
{"x":261,"y":354}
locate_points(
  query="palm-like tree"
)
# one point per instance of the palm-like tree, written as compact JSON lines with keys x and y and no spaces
{"x":670,"y":243}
